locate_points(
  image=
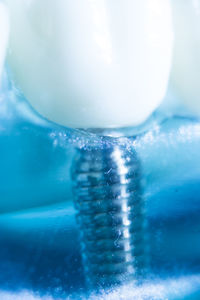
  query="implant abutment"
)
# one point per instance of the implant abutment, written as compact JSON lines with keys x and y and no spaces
{"x":110,"y":213}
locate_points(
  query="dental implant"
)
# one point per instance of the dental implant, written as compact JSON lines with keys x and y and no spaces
{"x":108,"y":198}
{"x":97,"y":64}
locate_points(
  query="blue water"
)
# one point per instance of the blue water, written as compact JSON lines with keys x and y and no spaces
{"x":39,"y":248}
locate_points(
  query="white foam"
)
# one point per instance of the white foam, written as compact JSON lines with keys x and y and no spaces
{"x":158,"y":290}
{"x":175,"y":288}
{"x":21,"y":296}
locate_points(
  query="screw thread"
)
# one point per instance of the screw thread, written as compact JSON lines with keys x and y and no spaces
{"x":107,"y":193}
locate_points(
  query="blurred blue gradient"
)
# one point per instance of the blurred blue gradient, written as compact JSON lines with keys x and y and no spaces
{"x":39,"y":248}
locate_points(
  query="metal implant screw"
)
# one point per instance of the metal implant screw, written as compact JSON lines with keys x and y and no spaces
{"x":110,"y":213}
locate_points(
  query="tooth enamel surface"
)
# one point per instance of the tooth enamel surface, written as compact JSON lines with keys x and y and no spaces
{"x":91,"y":63}
{"x":186,"y":60}
{"x":4,"y":30}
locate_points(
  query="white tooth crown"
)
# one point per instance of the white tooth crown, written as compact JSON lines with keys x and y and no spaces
{"x":91,"y":63}
{"x":186,"y":60}
{"x":4,"y":31}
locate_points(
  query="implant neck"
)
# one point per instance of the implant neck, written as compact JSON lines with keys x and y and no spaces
{"x":125,"y":132}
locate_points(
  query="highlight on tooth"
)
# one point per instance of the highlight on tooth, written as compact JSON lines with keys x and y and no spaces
{"x":4,"y":31}
{"x":186,"y":58}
